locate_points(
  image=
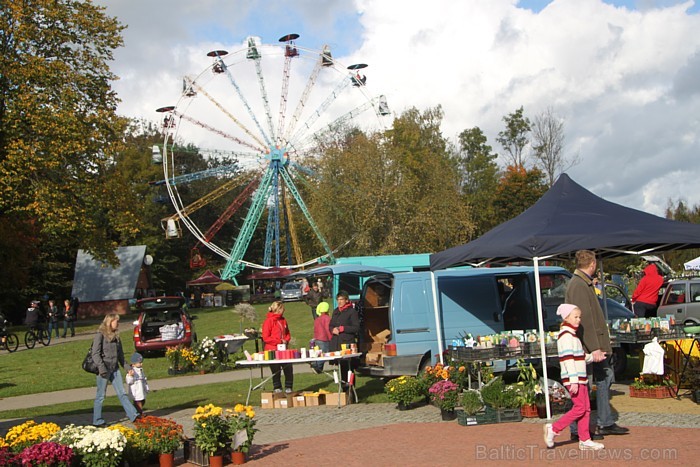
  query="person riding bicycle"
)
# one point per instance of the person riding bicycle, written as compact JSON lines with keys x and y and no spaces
{"x":33,"y":315}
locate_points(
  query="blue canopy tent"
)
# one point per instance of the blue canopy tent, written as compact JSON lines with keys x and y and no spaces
{"x":569,"y":218}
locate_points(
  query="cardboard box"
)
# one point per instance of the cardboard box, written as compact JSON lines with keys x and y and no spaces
{"x":298,"y":400}
{"x":267,"y":400}
{"x":282,"y":403}
{"x":374,"y":347}
{"x":333,"y":397}
{"x":381,"y":336}
{"x":374,"y":359}
{"x":314,"y":399}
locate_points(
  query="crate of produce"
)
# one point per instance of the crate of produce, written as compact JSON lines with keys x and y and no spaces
{"x":484,"y":417}
{"x":505,"y":351}
{"x":508,"y":415}
{"x":488,"y":353}
{"x":460,"y":353}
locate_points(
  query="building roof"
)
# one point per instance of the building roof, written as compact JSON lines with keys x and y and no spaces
{"x":97,"y":281}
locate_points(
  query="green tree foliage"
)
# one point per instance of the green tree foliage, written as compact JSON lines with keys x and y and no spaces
{"x":680,"y":211}
{"x":517,"y":191}
{"x":392,"y":194}
{"x":480,"y":176}
{"x":515,"y":137}
{"x":58,"y":128}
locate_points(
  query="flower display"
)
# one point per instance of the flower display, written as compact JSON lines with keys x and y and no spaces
{"x":644,"y":381}
{"x":96,"y":447}
{"x":137,"y":447}
{"x":47,"y":454}
{"x":212,"y":428}
{"x":207,"y":355}
{"x":181,"y":358}
{"x":444,"y":394}
{"x":101,"y":448}
{"x":404,"y":389}
{"x":7,"y":457}
{"x":528,"y":385}
{"x":29,"y":433}
{"x":243,"y":429}
{"x":161,"y":435}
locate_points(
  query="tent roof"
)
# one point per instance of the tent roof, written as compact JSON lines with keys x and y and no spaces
{"x":270,"y":274}
{"x":692,"y":265}
{"x":207,"y":278}
{"x":568,"y":218}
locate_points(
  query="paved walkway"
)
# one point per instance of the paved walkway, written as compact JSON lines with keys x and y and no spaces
{"x":368,"y":434}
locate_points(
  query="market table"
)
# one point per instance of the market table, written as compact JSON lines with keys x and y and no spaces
{"x":338,"y":379}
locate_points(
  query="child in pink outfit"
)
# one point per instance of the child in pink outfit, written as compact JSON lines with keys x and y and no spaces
{"x":572,"y":360}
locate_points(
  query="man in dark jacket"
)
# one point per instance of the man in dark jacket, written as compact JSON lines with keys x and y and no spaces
{"x":345,"y":323}
{"x":313,"y":298}
{"x":595,"y":338}
{"x":33,"y":314}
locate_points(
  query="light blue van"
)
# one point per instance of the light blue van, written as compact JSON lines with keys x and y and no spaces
{"x":478,"y":301}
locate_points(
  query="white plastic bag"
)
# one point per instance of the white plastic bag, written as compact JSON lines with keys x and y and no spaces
{"x":653,"y":358}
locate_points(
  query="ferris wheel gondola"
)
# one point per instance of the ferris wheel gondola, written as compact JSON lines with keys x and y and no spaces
{"x":229,"y":106}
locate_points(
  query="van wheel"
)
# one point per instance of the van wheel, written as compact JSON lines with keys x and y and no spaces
{"x":619,"y":361}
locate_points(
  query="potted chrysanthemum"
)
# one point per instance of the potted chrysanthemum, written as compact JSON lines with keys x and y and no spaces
{"x":212,"y":431}
{"x":243,"y":429}
{"x":404,"y":390}
{"x":164,"y":436}
{"x":445,"y":395}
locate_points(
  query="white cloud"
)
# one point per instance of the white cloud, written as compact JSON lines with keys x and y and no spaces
{"x":624,"y":80}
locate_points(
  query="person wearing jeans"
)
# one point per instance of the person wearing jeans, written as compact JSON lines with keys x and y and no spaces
{"x":595,"y":338}
{"x":108,"y":355}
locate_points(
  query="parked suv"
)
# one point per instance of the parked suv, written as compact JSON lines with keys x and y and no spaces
{"x":163,"y":322}
{"x":681,"y":299}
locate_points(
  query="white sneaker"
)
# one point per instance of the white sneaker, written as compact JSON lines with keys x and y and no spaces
{"x":549,"y":435}
{"x":278,"y":391}
{"x":287,"y":391}
{"x":590,"y":445}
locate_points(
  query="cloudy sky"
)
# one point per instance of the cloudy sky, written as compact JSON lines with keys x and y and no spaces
{"x":623,"y":75}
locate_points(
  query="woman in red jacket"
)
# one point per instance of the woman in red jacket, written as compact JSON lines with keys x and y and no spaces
{"x":646,"y":294}
{"x":275,"y":331}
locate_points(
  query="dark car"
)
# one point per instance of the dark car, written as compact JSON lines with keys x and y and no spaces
{"x":163,"y":322}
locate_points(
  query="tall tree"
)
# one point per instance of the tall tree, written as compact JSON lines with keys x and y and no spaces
{"x":479,"y":177}
{"x":515,"y":137}
{"x":58,"y":128}
{"x":548,"y":145}
{"x":518,"y":189}
{"x":392,"y":194}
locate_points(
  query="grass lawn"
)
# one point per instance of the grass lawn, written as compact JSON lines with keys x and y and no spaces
{"x":58,"y":367}
{"x":369,"y":390}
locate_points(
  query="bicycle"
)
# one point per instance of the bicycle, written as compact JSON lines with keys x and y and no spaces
{"x":34,"y":334}
{"x":9,"y":340}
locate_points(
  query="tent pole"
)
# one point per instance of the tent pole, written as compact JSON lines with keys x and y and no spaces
{"x":543,"y":350}
{"x":602,"y":289}
{"x":438,"y":329}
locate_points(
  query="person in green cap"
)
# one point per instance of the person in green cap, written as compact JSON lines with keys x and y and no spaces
{"x":322,"y":334}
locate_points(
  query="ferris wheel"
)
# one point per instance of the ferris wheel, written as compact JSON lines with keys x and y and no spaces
{"x":259,"y":112}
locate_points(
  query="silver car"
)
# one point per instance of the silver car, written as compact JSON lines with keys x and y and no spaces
{"x":291,"y":291}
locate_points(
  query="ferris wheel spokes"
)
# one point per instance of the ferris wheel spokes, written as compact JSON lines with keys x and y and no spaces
{"x":253,"y":54}
{"x":290,"y":52}
{"x":226,"y":112}
{"x":217,"y":131}
{"x":219,"y":64}
{"x":323,"y":61}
